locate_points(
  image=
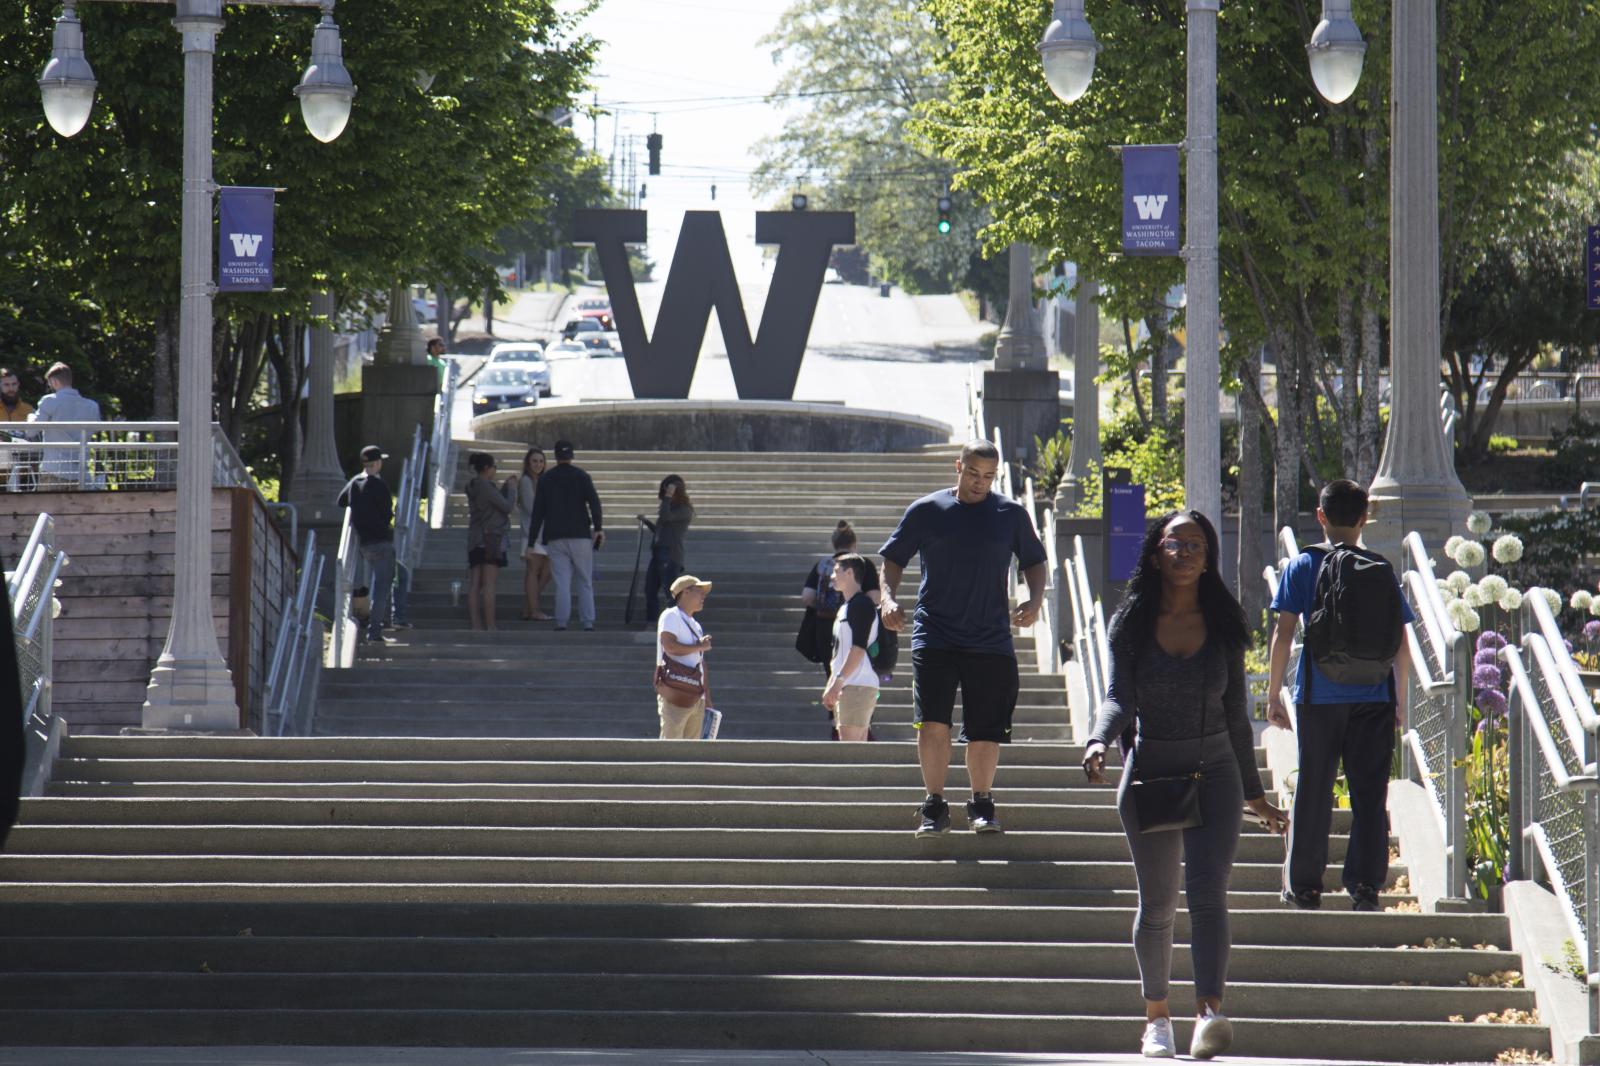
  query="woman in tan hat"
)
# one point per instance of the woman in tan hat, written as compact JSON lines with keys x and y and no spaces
{"x":680,"y":683}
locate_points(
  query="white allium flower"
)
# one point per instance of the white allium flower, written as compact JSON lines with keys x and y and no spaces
{"x":1493,"y":586}
{"x":1469,"y":554}
{"x":1478,"y":523}
{"x":1451,"y":545}
{"x":1594,"y":606}
{"x":1459,"y":581}
{"x":1463,"y":617}
{"x":1580,"y":600}
{"x":1553,"y":598}
{"x":1510,"y":600}
{"x":1475,"y":597}
{"x":1507,"y":548}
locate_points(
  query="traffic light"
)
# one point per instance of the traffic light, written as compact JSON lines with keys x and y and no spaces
{"x":643,"y":188}
{"x":713,"y":192}
{"x":653,"y":144}
{"x":944,"y":214}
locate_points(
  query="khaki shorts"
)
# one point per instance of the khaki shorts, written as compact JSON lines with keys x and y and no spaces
{"x":681,"y":723}
{"x":856,"y":703}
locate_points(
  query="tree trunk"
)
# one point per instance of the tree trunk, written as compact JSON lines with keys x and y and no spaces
{"x":1290,"y":443}
{"x":488,"y":311}
{"x":1157,"y":326}
{"x":1371,"y":389}
{"x":1133,"y":372}
{"x":285,"y":352}
{"x":442,"y":320}
{"x":1251,"y":589}
{"x":164,"y":401}
{"x":1349,"y":399}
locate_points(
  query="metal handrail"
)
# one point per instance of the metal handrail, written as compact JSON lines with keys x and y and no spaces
{"x":341,"y":652}
{"x":32,"y":590}
{"x":286,"y":706}
{"x":1003,"y":480}
{"x":1565,"y":668}
{"x":1414,"y":557}
{"x":409,"y":529}
{"x":1554,"y":809}
{"x":441,"y":450}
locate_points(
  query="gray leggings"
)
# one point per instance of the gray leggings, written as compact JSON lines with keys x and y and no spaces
{"x":1206,"y":855}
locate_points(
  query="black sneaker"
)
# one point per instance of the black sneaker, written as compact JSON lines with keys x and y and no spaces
{"x":1308,"y":899}
{"x":935,"y":815}
{"x":981,"y":817}
{"x":1365,"y":898}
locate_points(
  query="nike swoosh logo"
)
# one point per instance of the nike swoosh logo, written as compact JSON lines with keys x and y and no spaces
{"x":1365,"y":564}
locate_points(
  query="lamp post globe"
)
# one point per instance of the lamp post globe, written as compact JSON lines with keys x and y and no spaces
{"x":66,"y":87}
{"x":1068,"y":50}
{"x":1337,"y":52}
{"x":326,"y":91}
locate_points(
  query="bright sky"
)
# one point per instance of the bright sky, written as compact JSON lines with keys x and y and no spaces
{"x":668,"y":57}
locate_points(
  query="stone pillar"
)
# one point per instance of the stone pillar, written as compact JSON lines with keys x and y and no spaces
{"x":1416,"y":487}
{"x":1202,"y":416}
{"x":1085,"y":399}
{"x":319,"y":475}
{"x":191,"y":686}
{"x":1021,"y":395}
{"x":398,"y":389}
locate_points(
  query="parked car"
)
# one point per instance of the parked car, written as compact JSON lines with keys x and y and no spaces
{"x":601,"y":345}
{"x":581,"y":325}
{"x":566,"y":349}
{"x":427,"y":310}
{"x":502,"y":387}
{"x":527,"y":356}
{"x":594,"y":303}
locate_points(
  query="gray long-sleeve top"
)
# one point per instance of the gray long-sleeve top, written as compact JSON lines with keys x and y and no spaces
{"x":1166,"y":697}
{"x":488,"y":511}
{"x":527,"y":489}
{"x":672,"y":523}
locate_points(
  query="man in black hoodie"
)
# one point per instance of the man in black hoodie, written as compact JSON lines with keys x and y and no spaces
{"x":567,"y":509}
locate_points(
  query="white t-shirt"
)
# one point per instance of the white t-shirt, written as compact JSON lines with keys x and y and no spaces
{"x":675,"y":621}
{"x":855,"y":626}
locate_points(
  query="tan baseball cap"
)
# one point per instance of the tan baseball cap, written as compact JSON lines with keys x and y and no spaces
{"x":689,"y":581}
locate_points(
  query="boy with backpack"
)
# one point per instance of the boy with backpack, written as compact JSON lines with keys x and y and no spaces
{"x":1352,"y":666}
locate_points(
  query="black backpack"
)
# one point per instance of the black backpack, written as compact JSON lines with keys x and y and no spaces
{"x":1355,"y":627}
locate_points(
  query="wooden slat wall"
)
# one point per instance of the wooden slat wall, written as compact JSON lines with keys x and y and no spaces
{"x":116,"y":594}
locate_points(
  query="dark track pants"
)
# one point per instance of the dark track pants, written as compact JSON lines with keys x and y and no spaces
{"x":1361,"y":736}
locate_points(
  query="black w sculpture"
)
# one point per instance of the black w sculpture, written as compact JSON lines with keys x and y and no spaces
{"x":702,"y":278}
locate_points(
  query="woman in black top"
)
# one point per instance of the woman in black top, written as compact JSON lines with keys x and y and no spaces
{"x":1176,"y":703}
{"x":674,"y":512}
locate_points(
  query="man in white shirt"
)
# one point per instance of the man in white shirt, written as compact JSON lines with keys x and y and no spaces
{"x":680,"y":651}
{"x":63,"y":464}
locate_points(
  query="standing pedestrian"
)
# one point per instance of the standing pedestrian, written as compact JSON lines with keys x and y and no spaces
{"x":534,"y":553}
{"x":961,"y":636}
{"x":62,"y":465}
{"x":822,"y":602}
{"x":852,"y":690}
{"x":371,"y":506}
{"x":682,"y":694}
{"x":674,"y":512}
{"x":13,"y":408}
{"x":1350,"y":602}
{"x":566,"y":514}
{"x":1176,"y":703}
{"x":488,"y":526}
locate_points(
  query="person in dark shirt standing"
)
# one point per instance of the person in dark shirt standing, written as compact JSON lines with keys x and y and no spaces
{"x":372,"y":517}
{"x":674,"y":512}
{"x":961,"y":636}
{"x":566,"y":510}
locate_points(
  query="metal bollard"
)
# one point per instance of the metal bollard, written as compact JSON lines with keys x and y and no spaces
{"x":455,"y":594}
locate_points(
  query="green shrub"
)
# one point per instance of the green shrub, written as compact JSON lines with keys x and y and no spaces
{"x":1051,"y":458}
{"x":1577,"y":456}
{"x":1500,"y":444}
{"x":1555,"y":548}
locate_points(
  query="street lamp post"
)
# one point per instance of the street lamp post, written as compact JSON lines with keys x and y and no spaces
{"x":1416,"y":487}
{"x":191,"y":686}
{"x":1067,"y":51}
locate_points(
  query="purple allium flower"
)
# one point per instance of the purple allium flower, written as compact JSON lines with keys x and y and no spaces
{"x":1486,"y":657}
{"x":1491,"y":640}
{"x":1492,"y":702}
{"x":1486,"y":676}
{"x":1591,"y":630}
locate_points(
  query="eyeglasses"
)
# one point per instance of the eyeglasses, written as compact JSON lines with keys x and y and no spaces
{"x":1182,"y":547}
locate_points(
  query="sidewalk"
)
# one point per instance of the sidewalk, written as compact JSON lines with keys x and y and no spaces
{"x":314,"y":1056}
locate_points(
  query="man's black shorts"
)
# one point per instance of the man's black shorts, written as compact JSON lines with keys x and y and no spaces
{"x":988,"y":685}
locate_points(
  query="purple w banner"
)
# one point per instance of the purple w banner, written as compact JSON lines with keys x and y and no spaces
{"x":1150,"y":199}
{"x":244,"y":253}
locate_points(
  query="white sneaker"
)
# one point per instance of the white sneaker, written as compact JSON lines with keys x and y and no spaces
{"x":1158,"y":1042}
{"x":1213,"y":1034}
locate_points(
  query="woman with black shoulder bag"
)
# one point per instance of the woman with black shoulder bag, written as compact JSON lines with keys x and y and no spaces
{"x":1177,"y":706}
{"x":681,"y":645}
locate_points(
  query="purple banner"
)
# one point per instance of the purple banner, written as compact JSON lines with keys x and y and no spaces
{"x":244,"y":247}
{"x":1593,"y":273}
{"x":1150,"y":208}
{"x":1123,"y":511}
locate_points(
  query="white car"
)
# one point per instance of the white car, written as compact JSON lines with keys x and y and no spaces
{"x":566,"y":350}
{"x":527,"y":356}
{"x":500,"y":387}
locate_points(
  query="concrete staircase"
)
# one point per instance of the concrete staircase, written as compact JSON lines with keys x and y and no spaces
{"x":762,"y":521}
{"x":551,"y":893}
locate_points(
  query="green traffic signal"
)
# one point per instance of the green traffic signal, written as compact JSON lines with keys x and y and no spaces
{"x":944,"y":215}
{"x":944,"y":225}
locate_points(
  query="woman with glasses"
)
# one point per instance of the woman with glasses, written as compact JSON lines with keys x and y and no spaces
{"x":534,"y":553}
{"x":1177,"y":706}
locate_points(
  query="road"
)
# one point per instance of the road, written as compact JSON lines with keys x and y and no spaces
{"x":900,"y":353}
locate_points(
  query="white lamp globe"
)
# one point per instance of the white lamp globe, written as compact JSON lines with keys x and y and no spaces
{"x":326,"y":90}
{"x":66,"y":87}
{"x":1068,"y":50}
{"x":1337,"y":52}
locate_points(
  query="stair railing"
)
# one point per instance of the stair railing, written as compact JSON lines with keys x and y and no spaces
{"x":289,"y":697}
{"x":1555,"y":805}
{"x":1288,"y":548}
{"x":1045,"y":628}
{"x":1090,"y":646}
{"x":342,"y":648}
{"x":409,"y":528}
{"x":441,"y":450}
{"x":32,"y":588}
{"x":1438,"y":688}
